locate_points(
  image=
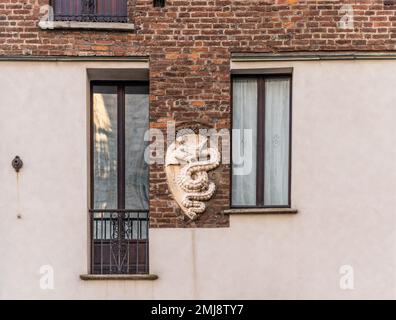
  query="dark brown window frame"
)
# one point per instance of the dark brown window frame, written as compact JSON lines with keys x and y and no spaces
{"x":120,"y":211}
{"x":120,"y":137}
{"x":261,"y":138}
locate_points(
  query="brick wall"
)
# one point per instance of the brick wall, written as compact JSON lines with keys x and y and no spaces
{"x":189,"y":43}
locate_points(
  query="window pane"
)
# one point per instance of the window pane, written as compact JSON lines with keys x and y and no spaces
{"x":244,"y":142}
{"x":136,"y":225}
{"x":105,"y":147}
{"x":136,"y":168}
{"x":91,"y":10}
{"x":276,"y":163}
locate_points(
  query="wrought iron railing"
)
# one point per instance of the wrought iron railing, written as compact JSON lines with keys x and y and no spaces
{"x":90,"y":10}
{"x":119,"y":241}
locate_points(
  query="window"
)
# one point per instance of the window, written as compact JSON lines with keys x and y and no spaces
{"x":119,"y":178}
{"x":91,"y":10}
{"x":261,"y":146}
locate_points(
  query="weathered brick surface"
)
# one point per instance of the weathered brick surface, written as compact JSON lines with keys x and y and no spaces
{"x":189,"y":43}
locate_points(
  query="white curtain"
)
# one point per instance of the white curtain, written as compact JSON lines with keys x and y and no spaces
{"x":244,"y":141}
{"x":276,"y":169}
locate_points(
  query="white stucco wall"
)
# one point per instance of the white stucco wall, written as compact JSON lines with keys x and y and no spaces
{"x":343,"y":184}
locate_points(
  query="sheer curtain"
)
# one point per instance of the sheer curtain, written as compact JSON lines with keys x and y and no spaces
{"x":276,"y":168}
{"x":244,"y":141}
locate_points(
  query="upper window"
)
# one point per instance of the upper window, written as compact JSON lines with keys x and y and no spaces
{"x":91,"y":10}
{"x":261,"y":145}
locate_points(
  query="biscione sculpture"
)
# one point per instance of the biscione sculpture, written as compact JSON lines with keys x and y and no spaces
{"x":187,"y":163}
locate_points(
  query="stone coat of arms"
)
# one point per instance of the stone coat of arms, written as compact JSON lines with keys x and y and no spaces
{"x":188,"y":161}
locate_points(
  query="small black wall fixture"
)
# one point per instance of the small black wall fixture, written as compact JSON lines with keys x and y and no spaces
{"x":17,"y":163}
{"x":159,"y":3}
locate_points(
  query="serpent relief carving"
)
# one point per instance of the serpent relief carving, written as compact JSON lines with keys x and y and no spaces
{"x":188,"y":161}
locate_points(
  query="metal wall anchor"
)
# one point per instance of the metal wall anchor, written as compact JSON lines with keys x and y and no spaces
{"x":17,"y":163}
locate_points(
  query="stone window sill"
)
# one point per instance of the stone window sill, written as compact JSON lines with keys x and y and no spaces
{"x":74,"y":25}
{"x":260,"y":211}
{"x":90,"y":277}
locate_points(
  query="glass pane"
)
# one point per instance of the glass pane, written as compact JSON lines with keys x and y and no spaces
{"x":136,"y":225}
{"x":136,"y":168}
{"x":276,"y":168}
{"x":244,"y":140}
{"x":105,"y":225}
{"x":105,"y":147}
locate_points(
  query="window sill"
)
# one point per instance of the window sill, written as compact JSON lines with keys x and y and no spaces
{"x":90,"y":277}
{"x":74,"y":25}
{"x":261,"y":211}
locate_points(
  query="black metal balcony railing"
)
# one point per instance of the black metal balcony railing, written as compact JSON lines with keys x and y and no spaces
{"x":90,"y":10}
{"x":119,"y":241}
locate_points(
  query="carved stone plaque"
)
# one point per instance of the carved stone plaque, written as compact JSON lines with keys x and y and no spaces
{"x":187,"y":163}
